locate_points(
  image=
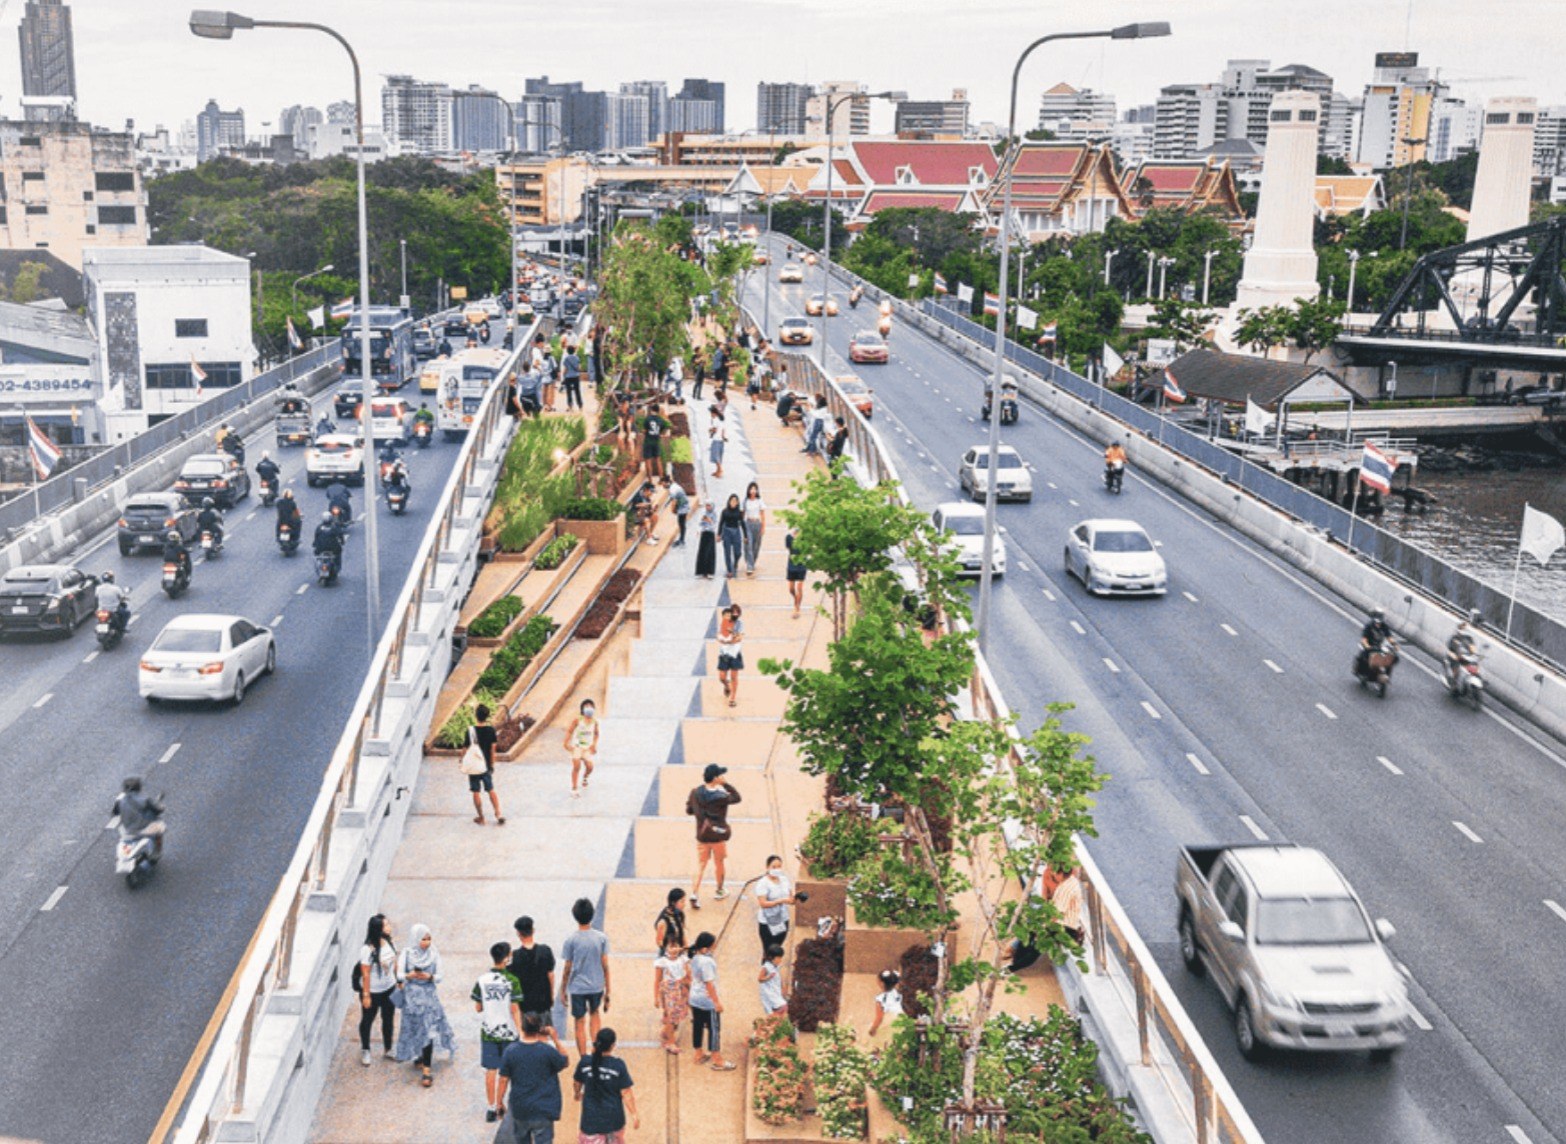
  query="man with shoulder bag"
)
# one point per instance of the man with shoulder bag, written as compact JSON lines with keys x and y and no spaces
{"x":709,"y":805}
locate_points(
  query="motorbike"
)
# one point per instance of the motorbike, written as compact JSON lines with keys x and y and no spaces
{"x":211,"y":544}
{"x":343,"y":515}
{"x":422,"y":432}
{"x":1464,"y":682}
{"x":110,"y":630}
{"x":1114,"y":476}
{"x":483,"y":334}
{"x":175,"y":579}
{"x":853,"y":300}
{"x":1007,"y":405}
{"x":135,"y":857}
{"x":397,"y":499}
{"x":327,"y":565}
{"x":288,"y":539}
{"x":1376,"y":670}
{"x":268,"y":492}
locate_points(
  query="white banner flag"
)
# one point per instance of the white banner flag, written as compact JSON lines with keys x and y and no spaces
{"x":1257,"y":420}
{"x":964,"y":292}
{"x":1113,"y":362}
{"x":913,"y":280}
{"x":318,"y":318}
{"x":1542,"y":534}
{"x":1026,"y":318}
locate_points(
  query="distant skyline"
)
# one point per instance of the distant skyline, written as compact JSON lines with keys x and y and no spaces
{"x":139,"y":61}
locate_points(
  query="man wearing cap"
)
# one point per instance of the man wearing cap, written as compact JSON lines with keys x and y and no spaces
{"x":709,"y":805}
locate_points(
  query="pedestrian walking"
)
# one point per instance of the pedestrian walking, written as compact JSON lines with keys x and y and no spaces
{"x":815,"y":425}
{"x":602,"y":1084}
{"x":670,"y":922}
{"x":550,"y":368}
{"x":497,"y":996}
{"x":624,"y":416}
{"x":672,"y":989}
{"x":581,"y":740}
{"x":774,"y":896}
{"x":731,"y":527}
{"x":771,"y":979}
{"x":424,"y":1020}
{"x":533,"y":965}
{"x":796,"y":573}
{"x":571,"y":374}
{"x":755,"y":525}
{"x":653,"y":429}
{"x":585,"y":976}
{"x":699,"y":363}
{"x":483,"y":736}
{"x":530,"y":1071}
{"x":709,"y":805}
{"x":680,"y":501}
{"x":720,"y":365}
{"x":889,"y":1002}
{"x":731,"y":652}
{"x":707,"y":1004}
{"x":707,"y":541}
{"x":718,"y":432}
{"x":676,"y":377}
{"x":376,"y":980}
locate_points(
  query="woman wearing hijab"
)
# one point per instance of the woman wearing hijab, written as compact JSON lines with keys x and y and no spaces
{"x":707,"y":541}
{"x":423,"y":1017}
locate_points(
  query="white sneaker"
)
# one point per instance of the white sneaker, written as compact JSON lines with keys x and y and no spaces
{"x":364,"y":1057}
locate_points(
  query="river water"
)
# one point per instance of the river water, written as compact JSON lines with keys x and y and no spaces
{"x":1477,"y":525}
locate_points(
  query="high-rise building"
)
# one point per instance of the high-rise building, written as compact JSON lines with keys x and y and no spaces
{"x":695,"y":116}
{"x":1076,"y":115}
{"x":1189,"y":119}
{"x":583,"y":114}
{"x":69,"y":187}
{"x":933,"y":116}
{"x":538,"y":123}
{"x":480,"y":120}
{"x":417,"y":116}
{"x":656,"y":93}
{"x":626,"y":122}
{"x":48,"y":61}
{"x":340,"y":112}
{"x":1395,"y":123}
{"x":296,"y":121}
{"x":1549,"y":142}
{"x":216,"y":129}
{"x":704,"y":89}
{"x":1339,"y":123}
{"x":850,"y":104}
{"x":780,"y":108}
{"x":1455,"y":128}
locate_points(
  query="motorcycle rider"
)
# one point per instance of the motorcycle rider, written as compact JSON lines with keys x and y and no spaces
{"x":424,"y":415}
{"x":288,"y":511}
{"x":175,"y":552}
{"x":1375,"y":632}
{"x":1115,"y":459}
{"x":397,"y":476}
{"x":1461,"y":644}
{"x":114,"y":600}
{"x":211,"y":520}
{"x":337,"y":497}
{"x":328,"y":539}
{"x":325,"y":425}
{"x":290,"y":399}
{"x":267,"y":470}
{"x":140,"y":814}
{"x":444,"y":349}
{"x":232,"y":445}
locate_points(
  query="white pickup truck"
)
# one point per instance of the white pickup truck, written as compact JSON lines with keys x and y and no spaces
{"x":1292,"y":950}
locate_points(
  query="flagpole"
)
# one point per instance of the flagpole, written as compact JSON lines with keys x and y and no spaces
{"x":1354,"y":508}
{"x":1516,"y":576}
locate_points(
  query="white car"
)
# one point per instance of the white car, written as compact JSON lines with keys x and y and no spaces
{"x":206,"y":657}
{"x":335,"y":457}
{"x":1115,"y":557}
{"x":791,"y":272}
{"x":964,"y":523}
{"x":1015,"y":483}
{"x":391,"y":419}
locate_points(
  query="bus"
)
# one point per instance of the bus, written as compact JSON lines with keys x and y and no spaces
{"x":465,"y":378}
{"x":392,"y":361}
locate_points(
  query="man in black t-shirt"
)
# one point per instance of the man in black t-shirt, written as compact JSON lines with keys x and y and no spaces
{"x":653,"y":430}
{"x":533,"y":964}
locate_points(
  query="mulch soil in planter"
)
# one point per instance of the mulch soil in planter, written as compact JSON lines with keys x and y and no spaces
{"x":919,"y":969}
{"x":818,"y":983}
{"x":507,"y":733}
{"x":685,"y":477}
{"x":680,"y":422}
{"x":602,"y":613}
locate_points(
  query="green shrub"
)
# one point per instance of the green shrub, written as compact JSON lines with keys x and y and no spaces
{"x":496,"y":618}
{"x":512,"y":658}
{"x":556,"y":551}
{"x":841,"y":1073}
{"x":592,"y":508}
{"x":836,"y":843}
{"x":523,"y":523}
{"x":453,"y":733}
{"x":781,"y":1072}
{"x":526,"y":496}
{"x":682,"y":453}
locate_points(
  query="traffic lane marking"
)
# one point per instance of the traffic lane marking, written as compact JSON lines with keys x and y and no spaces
{"x":170,"y":753}
{"x":1466,"y":832}
{"x":1151,"y":710}
{"x":1190,"y":597}
{"x":1555,"y":908}
{"x":54,"y":899}
{"x":1228,"y":629}
{"x":1327,"y":711}
{"x":1201,"y":767}
{"x":1388,"y":764}
{"x":1274,"y":666}
{"x":1109,"y":663}
{"x":1078,"y":628}
{"x":1250,"y":824}
{"x":42,"y":699}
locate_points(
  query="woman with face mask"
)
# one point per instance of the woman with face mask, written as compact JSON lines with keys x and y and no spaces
{"x":581,"y":740}
{"x":774,"y":897}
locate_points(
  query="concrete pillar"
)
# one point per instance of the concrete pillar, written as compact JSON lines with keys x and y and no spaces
{"x":1502,"y":182}
{"x":1281,"y":263}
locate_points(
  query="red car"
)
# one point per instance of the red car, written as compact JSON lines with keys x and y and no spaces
{"x":859,"y":395}
{"x":867,"y":346}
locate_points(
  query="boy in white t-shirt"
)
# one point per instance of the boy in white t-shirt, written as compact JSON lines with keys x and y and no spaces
{"x":497,"y":995}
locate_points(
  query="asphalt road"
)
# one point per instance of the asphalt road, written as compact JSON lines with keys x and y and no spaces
{"x":105,"y":991}
{"x":1226,"y":712}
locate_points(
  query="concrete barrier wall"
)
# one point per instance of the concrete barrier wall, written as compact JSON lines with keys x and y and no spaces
{"x":1519,"y":682}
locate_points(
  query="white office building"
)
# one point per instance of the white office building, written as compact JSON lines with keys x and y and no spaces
{"x":1076,"y":115}
{"x":172,"y":325}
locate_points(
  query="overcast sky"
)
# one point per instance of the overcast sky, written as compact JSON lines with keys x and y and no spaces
{"x":136,"y":58}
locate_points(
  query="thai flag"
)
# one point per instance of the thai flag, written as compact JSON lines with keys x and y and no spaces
{"x":197,"y":373}
{"x":992,"y":304}
{"x":940,"y":283}
{"x":1172,"y":389}
{"x":45,"y":453}
{"x":1050,"y":332}
{"x":1376,"y":469}
{"x":295,"y":342}
{"x":342,"y":309}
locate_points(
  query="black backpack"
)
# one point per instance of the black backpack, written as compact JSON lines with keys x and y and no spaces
{"x":356,"y":978}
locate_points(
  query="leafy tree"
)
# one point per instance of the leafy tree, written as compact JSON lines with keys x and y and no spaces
{"x":1181,"y":322}
{"x":1332,"y":165}
{"x":644,"y":303}
{"x":802,"y":222}
{"x":1309,"y":324}
{"x":26,"y":286}
{"x":1263,"y":328}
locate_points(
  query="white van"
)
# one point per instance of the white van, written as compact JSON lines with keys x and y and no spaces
{"x":391,"y":419}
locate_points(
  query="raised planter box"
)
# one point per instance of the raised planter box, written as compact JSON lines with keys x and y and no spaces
{"x":828,"y":899}
{"x":870,"y":949}
{"x":600,"y":537}
{"x":541,"y":585}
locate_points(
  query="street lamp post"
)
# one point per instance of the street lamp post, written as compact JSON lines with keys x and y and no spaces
{"x":1109,"y":259}
{"x":1152,"y":257}
{"x":987,"y":571}
{"x":1207,"y":272}
{"x":1353,"y":257}
{"x":402,"y":249}
{"x":1408,"y":187}
{"x":294,"y":290}
{"x":217,"y":25}
{"x":1164,"y":264}
{"x":826,"y":248}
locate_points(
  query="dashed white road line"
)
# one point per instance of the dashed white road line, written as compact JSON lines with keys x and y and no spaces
{"x":1078,"y":628}
{"x":54,"y":899}
{"x":1327,"y":711}
{"x":252,"y":515}
{"x":1150,"y":709}
{"x":1190,"y":597}
{"x":1228,"y":629}
{"x":1052,"y":484}
{"x":44,"y":698}
{"x":1021,"y":566}
{"x":303,"y":588}
{"x":1517,"y":1134}
{"x":1201,"y":767}
{"x":1250,"y":824}
{"x":1048,"y":595}
{"x":1467,"y":833}
{"x":1112,"y":665}
{"x":131,"y":623}
{"x":92,"y":655}
{"x":1073,"y":503}
{"x":1555,"y":908}
{"x":1388,"y":764}
{"x":170,"y":753}
{"x":1274,"y":666}
{"x":1419,"y":1019}
{"x":277,"y":619}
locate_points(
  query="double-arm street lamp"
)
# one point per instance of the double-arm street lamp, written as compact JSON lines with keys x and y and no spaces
{"x":987,"y":572}
{"x":305,"y":278}
{"x":215,"y":25}
{"x":832,"y":104}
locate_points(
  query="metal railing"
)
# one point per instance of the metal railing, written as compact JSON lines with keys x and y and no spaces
{"x":1169,"y":1045}
{"x":59,"y":490}
{"x":269,"y":966}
